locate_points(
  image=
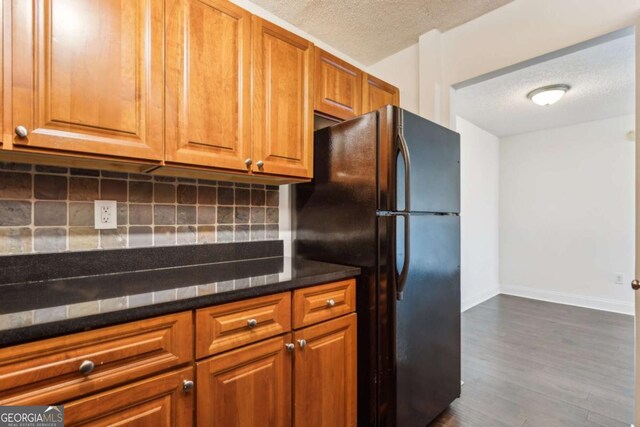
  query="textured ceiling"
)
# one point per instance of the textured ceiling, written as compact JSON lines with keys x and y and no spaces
{"x":369,"y":31}
{"x":602,"y":80}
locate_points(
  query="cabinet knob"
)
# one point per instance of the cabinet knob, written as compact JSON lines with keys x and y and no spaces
{"x":635,"y":285}
{"x":260,"y":164}
{"x":252,"y":323}
{"x":302,"y":343}
{"x":187,"y":386}
{"x":22,"y":131}
{"x":248,"y":162}
{"x":290,"y":346}
{"x":331,"y":302}
{"x":86,"y":367}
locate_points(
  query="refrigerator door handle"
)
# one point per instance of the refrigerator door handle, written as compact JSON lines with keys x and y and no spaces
{"x":404,"y":149}
{"x":402,"y":277}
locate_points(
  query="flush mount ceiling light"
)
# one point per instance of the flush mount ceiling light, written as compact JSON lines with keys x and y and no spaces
{"x":548,"y":95}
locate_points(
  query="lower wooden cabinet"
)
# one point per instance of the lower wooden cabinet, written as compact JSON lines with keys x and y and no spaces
{"x":325,"y":374}
{"x":142,"y":373}
{"x":158,"y":401}
{"x":310,"y":379}
{"x":248,"y":387}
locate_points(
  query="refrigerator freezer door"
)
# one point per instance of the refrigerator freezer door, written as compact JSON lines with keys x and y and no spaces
{"x":427,"y":329}
{"x":432,"y":153}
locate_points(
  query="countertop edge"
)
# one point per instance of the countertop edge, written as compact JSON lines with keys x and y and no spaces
{"x":43,"y":331}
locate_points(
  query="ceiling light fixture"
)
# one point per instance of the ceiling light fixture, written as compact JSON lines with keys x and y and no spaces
{"x":548,"y":95}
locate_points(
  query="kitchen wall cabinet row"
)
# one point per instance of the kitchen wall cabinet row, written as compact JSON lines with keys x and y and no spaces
{"x":276,"y":360}
{"x":199,"y":84}
{"x":343,"y":91}
{"x":173,"y":87}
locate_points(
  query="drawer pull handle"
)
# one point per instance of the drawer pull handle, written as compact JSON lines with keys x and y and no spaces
{"x":331,"y":302}
{"x":252,"y":323}
{"x":187,"y":386}
{"x":86,"y":367}
{"x":290,"y":346}
{"x":302,"y":343}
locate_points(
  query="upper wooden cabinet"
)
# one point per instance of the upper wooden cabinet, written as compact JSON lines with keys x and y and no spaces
{"x":208,"y":88}
{"x":282,"y":101}
{"x":87,"y":76}
{"x":377,"y":93}
{"x":338,"y":86}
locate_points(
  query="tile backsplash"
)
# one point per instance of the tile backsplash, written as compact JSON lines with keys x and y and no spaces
{"x":50,"y":209}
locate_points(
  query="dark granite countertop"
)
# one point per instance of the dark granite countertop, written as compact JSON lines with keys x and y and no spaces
{"x":38,"y":309}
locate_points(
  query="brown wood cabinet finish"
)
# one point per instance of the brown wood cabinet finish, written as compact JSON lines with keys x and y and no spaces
{"x":88,"y":76}
{"x":232,"y":325}
{"x":247,"y":387}
{"x":159,"y":402}
{"x":377,"y":93}
{"x":319,"y":303}
{"x":338,"y":86}
{"x":325,"y":374}
{"x":282,"y":74}
{"x":46,"y":372}
{"x":208,"y":104}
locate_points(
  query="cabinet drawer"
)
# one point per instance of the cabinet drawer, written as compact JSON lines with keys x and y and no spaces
{"x":161,"y":401}
{"x":48,"y":371}
{"x":320,"y":303}
{"x":232,"y":325}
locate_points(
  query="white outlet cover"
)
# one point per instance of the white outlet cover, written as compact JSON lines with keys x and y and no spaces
{"x":105,"y":214}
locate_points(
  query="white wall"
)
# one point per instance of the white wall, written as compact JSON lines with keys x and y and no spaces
{"x":401,"y":70}
{"x":479,"y":213}
{"x":567,"y":212}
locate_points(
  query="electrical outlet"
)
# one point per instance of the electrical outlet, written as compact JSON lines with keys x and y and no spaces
{"x":618,"y":279}
{"x":106,"y":214}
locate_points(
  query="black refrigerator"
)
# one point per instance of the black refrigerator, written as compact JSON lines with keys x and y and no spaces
{"x":386,"y":198}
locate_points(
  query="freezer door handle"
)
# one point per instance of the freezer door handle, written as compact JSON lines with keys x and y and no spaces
{"x":402,"y":276}
{"x":404,"y":149}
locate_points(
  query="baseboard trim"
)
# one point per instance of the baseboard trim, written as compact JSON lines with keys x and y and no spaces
{"x":569,"y":299}
{"x":468,"y":303}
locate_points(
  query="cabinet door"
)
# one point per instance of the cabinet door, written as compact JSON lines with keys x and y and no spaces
{"x":325,"y":374}
{"x":282,"y":101}
{"x":87,"y":76}
{"x":248,"y":387}
{"x":377,"y":93}
{"x":338,"y":86}
{"x":208,"y":109}
{"x":159,"y":401}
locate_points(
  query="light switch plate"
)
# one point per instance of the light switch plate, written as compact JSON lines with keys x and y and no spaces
{"x":106,"y":214}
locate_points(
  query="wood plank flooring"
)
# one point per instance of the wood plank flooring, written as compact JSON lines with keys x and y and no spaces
{"x":528,"y":363}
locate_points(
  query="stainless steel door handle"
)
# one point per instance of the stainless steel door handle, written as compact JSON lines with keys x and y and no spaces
{"x":187,"y":386}
{"x":302,"y":343}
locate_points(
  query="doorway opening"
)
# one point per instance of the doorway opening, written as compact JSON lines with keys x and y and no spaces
{"x":548,"y":239}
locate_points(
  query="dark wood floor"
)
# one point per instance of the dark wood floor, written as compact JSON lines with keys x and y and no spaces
{"x":532,"y":363}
